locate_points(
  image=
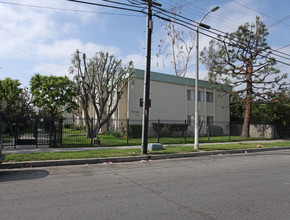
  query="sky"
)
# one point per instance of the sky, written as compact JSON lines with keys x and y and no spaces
{"x":40,"y":36}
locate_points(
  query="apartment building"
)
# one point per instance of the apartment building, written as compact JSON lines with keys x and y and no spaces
{"x":172,"y":99}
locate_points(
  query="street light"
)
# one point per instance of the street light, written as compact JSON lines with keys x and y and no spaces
{"x":196,"y":119}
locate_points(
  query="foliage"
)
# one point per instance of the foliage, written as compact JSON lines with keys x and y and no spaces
{"x":26,"y":106}
{"x":275,"y":109}
{"x":237,"y":108}
{"x":68,"y":126}
{"x":54,"y":94}
{"x":135,"y":130}
{"x":216,"y":130}
{"x":242,"y":59}
{"x":10,"y":96}
{"x":180,"y":48}
{"x":169,"y":129}
{"x":116,"y":134}
{"x":99,"y":84}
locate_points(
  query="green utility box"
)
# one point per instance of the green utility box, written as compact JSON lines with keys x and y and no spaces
{"x":155,"y":146}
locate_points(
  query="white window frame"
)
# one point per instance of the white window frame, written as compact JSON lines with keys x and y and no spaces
{"x":190,"y":120}
{"x":190,"y":95}
{"x":201,"y":96}
{"x":209,"y":96}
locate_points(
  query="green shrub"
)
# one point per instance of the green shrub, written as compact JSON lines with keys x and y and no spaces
{"x":135,"y":131}
{"x":216,"y":130}
{"x":116,"y":134}
{"x":169,"y":130}
{"x":68,"y":126}
{"x":79,"y":127}
{"x":155,"y":127}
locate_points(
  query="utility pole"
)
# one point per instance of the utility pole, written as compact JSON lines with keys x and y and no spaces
{"x":146,"y":99}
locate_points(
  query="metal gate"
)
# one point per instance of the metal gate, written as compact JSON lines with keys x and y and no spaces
{"x":30,"y":132}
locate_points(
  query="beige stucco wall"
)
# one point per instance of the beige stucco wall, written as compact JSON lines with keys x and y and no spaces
{"x":169,"y":102}
{"x":122,"y":111}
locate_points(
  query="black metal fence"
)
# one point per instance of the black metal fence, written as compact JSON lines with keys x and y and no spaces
{"x":30,"y":131}
{"x":54,"y":132}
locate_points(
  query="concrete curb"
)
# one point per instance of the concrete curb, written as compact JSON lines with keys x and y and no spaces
{"x":14,"y":165}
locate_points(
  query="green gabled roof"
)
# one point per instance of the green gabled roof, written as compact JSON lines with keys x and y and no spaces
{"x":139,"y":74}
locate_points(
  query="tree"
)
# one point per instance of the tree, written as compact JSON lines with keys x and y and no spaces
{"x":237,"y":108}
{"x":99,"y":83}
{"x":275,"y":109}
{"x":242,"y":59}
{"x":26,"y":106}
{"x":180,"y":49}
{"x":10,"y":96}
{"x":54,"y":94}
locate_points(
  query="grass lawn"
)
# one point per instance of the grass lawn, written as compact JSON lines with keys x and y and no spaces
{"x":134,"y":152}
{"x":107,"y":141}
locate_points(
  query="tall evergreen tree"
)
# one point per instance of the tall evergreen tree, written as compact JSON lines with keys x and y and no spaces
{"x":243,"y":60}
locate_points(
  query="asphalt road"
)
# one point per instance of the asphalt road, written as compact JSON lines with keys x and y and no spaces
{"x":244,"y":186}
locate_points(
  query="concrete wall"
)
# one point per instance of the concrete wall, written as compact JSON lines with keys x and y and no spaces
{"x":262,"y":131}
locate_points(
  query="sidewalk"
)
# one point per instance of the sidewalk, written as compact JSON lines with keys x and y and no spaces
{"x":143,"y":158}
{"x":73,"y":149}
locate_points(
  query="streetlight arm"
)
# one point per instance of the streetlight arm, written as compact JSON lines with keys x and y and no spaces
{"x":203,"y":25}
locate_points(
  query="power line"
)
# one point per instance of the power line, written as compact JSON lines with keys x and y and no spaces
{"x":210,"y":31}
{"x":64,"y":9}
{"x":139,"y":11}
{"x":283,"y":47}
{"x":124,"y":4}
{"x":190,"y":26}
{"x":227,"y":22}
{"x":107,"y":6}
{"x":268,"y":16}
{"x":161,"y":10}
{"x":279,"y":21}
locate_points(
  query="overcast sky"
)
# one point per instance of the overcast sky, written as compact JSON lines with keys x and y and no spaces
{"x":39,"y":36}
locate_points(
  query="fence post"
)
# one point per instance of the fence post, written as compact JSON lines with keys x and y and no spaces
{"x":36,"y":131}
{"x":158,"y":130}
{"x":229,"y":131}
{"x":92,"y":131}
{"x":55,"y":136}
{"x":16,"y":132}
{"x":185,"y":128}
{"x":208,"y":133}
{"x":1,"y":131}
{"x":50,"y":130}
{"x":127,"y":130}
{"x":61,"y":130}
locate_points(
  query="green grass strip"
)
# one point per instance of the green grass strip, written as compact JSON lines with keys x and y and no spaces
{"x":134,"y":152}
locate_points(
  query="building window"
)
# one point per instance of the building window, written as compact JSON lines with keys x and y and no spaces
{"x":190,"y":120}
{"x":209,"y":96}
{"x":209,"y":120}
{"x":201,"y":96}
{"x":201,"y":119}
{"x":190,"y":95}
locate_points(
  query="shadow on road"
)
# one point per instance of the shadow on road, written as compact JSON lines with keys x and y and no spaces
{"x":17,"y":175}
